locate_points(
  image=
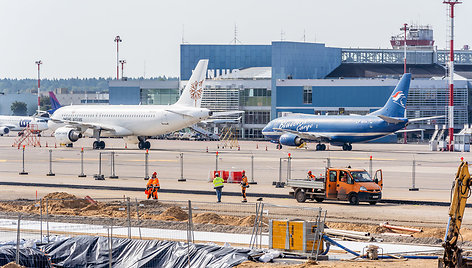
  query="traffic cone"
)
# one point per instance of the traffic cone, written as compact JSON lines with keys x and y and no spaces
{"x":46,"y":144}
{"x":257,"y":145}
{"x":239,"y":148}
{"x":266,"y":147}
{"x":207,"y":149}
{"x":55,"y":145}
{"x":126,"y":146}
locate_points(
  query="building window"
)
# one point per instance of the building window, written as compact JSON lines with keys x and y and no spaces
{"x":307,"y":95}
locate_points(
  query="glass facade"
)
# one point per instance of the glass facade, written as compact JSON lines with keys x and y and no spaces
{"x":161,"y":96}
{"x":257,"y":117}
{"x":307,"y":95}
{"x":255,"y":97}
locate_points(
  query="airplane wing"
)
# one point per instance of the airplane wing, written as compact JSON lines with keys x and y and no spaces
{"x":305,"y":135}
{"x":220,"y":121}
{"x":425,"y":118}
{"x":84,"y":125}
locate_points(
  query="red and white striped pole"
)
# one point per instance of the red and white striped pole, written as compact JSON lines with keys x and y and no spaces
{"x":451,"y":76}
{"x":117,"y":40}
{"x":39,"y":62}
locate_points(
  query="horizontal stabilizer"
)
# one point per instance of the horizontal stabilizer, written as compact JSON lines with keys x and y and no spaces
{"x":425,"y":118}
{"x":390,"y":119}
{"x":409,"y":130}
{"x":215,"y":114}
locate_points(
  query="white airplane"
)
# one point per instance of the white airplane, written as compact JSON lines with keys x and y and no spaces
{"x":19,"y":123}
{"x":135,"y":123}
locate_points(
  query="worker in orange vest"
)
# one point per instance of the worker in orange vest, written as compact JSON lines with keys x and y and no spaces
{"x":310,"y":176}
{"x":152,"y":186}
{"x":244,"y":186}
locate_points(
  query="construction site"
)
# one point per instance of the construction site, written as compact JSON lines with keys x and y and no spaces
{"x":52,"y":201}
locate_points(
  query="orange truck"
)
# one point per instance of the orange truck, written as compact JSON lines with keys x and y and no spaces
{"x":347,"y":184}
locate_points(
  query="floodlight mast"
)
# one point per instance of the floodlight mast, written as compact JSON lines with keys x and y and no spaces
{"x":122,"y":68}
{"x":451,"y":75}
{"x":117,"y":40}
{"x":39,"y":62}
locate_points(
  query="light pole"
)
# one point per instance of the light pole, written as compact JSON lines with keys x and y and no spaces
{"x":117,"y":40}
{"x":39,"y":62}
{"x":122,"y":68}
{"x":405,"y":28}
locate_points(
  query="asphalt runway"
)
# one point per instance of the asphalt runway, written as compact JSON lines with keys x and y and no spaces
{"x":434,"y":173}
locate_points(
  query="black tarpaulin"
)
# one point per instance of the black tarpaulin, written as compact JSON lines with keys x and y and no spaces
{"x":29,"y":257}
{"x":86,"y":251}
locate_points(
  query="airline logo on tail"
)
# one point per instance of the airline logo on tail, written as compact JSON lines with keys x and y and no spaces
{"x":399,"y":98}
{"x":196,"y":91}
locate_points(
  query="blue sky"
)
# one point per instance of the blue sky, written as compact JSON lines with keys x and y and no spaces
{"x":75,"y":38}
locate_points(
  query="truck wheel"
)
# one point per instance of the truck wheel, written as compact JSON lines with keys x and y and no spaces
{"x":300,"y":196}
{"x":319,"y":200}
{"x":353,"y":199}
{"x":372,"y":202}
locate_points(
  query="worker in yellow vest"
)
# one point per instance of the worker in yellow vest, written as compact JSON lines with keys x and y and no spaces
{"x":218,"y":186}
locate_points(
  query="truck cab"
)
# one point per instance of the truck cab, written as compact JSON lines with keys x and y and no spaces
{"x":353,"y":185}
{"x":348,"y":184}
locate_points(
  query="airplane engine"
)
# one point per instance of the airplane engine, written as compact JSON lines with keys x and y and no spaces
{"x":67,"y":135}
{"x":4,"y":130}
{"x":289,"y":139}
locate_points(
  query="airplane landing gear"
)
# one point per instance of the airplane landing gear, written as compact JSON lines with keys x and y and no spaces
{"x":347,"y":147}
{"x":320,"y":147}
{"x":144,"y":145}
{"x":98,"y":145}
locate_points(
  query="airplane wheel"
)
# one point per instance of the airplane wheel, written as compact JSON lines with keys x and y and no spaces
{"x":319,"y":147}
{"x":101,"y":144}
{"x":349,"y":147}
{"x":147,"y":145}
{"x":141,"y":145}
{"x":323,"y":147}
{"x":95,"y":145}
{"x":345,"y":147}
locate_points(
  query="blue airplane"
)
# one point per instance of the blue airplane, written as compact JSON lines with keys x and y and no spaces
{"x":343,"y":130}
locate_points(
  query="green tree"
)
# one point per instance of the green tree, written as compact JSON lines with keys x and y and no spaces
{"x":45,"y":103}
{"x":19,"y":108}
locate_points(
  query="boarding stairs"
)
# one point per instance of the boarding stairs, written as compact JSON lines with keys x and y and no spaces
{"x":30,"y":136}
{"x":205,"y":132}
{"x":229,"y":137}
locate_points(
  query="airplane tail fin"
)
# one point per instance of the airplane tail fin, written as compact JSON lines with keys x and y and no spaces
{"x":193,"y":91}
{"x":54,"y":102}
{"x":395,"y":106}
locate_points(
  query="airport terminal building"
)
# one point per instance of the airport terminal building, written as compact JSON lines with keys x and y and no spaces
{"x":268,"y":81}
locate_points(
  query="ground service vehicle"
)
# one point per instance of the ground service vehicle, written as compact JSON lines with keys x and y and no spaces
{"x":353,"y":185}
{"x":461,"y":191}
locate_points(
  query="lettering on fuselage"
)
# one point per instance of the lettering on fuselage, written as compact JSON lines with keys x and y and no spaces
{"x":76,"y":119}
{"x":24,"y":122}
{"x":301,"y":126}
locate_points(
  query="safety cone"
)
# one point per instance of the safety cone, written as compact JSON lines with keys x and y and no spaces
{"x":257,"y":145}
{"x":239,"y":148}
{"x":55,"y":145}
{"x":46,"y":144}
{"x":126,"y":146}
{"x":266,"y":147}
{"x":207,"y":149}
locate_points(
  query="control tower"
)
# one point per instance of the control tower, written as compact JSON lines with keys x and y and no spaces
{"x":417,"y":37}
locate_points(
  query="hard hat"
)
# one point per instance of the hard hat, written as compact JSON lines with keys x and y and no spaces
{"x":154,"y":174}
{"x":217,"y":174}
{"x":244,"y":171}
{"x":309,"y":172}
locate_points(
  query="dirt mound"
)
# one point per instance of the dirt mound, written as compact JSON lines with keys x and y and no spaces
{"x":59,"y":195}
{"x":212,"y":218}
{"x":249,"y":221}
{"x":174,"y":214}
{"x":12,"y":265}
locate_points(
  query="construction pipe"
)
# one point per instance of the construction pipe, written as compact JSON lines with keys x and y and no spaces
{"x":395,"y":234}
{"x":326,"y":238}
{"x":353,"y":236}
{"x":400,"y":228}
{"x":349,"y":232}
